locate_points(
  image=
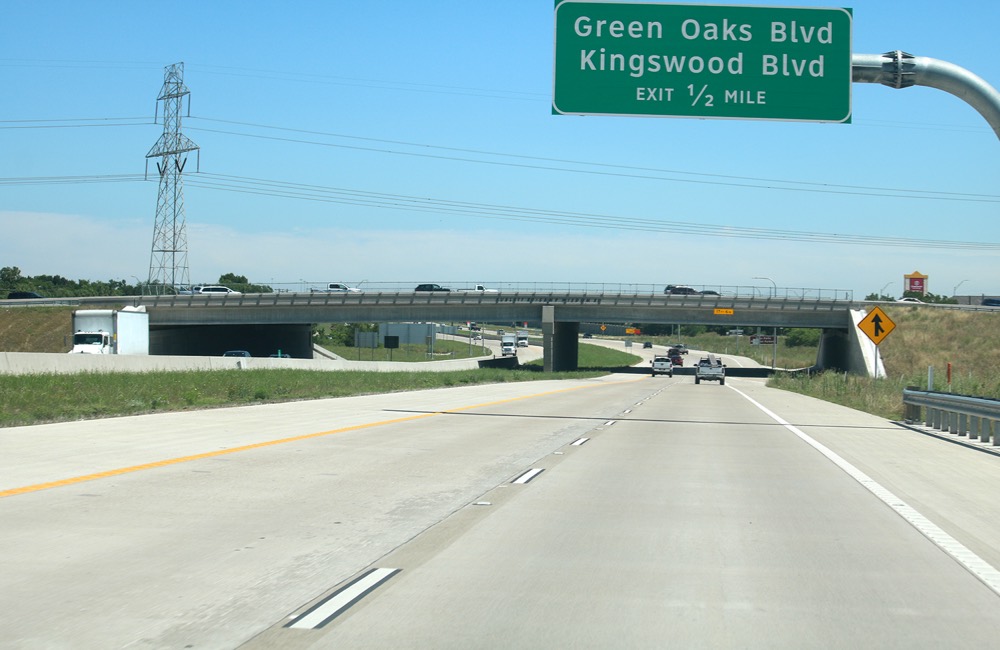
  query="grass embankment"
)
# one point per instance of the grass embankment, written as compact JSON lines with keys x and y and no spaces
{"x":443,"y":349}
{"x":36,"y":329}
{"x":924,"y":338}
{"x":33,"y":399}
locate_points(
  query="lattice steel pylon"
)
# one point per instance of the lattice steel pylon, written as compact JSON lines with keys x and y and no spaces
{"x":168,"y":263}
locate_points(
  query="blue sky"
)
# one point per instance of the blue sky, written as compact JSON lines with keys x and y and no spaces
{"x":401,"y":110}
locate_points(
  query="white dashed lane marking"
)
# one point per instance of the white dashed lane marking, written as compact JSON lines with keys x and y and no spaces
{"x":336,"y":603}
{"x":527,"y":476}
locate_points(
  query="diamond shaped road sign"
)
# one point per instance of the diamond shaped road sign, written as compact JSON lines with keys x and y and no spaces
{"x":876,"y":325}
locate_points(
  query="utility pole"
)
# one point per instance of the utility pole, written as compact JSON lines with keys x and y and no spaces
{"x":168,"y":263}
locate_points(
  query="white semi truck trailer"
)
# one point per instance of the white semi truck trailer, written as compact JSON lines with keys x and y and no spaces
{"x":110,"y":331}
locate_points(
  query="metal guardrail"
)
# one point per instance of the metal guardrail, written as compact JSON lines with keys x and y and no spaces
{"x":603,"y":288}
{"x":975,"y":417}
{"x":501,"y":297}
{"x":620,"y":295}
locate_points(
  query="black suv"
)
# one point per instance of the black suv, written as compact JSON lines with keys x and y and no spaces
{"x":430,"y":287}
{"x":23,"y":295}
{"x":677,"y":290}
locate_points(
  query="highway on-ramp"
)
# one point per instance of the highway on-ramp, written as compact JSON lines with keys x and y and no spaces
{"x":625,"y":511}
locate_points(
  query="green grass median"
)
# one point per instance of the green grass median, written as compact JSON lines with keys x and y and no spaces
{"x":35,"y":399}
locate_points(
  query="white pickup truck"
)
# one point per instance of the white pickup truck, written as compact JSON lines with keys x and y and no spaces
{"x":478,"y":288}
{"x":710,"y":368}
{"x":337,"y":287}
{"x":662,"y":366}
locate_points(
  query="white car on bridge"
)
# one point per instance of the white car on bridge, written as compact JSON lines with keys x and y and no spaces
{"x":338,"y":287}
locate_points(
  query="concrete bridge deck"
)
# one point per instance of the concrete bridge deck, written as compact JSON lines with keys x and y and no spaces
{"x":200,"y":324}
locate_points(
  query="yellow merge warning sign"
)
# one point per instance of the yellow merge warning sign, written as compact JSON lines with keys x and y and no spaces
{"x":876,"y":325}
{"x":723,"y":312}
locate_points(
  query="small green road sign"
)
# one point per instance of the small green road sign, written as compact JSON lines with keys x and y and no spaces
{"x":706,"y":61}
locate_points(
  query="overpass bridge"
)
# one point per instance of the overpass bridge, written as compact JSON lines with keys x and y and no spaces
{"x":204,"y":324}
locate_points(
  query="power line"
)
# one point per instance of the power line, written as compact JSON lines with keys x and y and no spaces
{"x":72,"y":180}
{"x":148,"y":118}
{"x":581,"y":167}
{"x":390,"y":201}
{"x":75,"y":63}
{"x":626,"y":171}
{"x":378,"y":84}
{"x":76,"y":123}
{"x":344,"y":196}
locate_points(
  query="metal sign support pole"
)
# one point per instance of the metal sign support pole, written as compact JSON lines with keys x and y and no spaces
{"x":897,"y":69}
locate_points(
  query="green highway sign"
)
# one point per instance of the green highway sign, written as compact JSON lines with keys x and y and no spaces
{"x":706,"y":61}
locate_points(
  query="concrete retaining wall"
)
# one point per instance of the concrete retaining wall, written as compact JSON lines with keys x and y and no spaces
{"x":21,"y":363}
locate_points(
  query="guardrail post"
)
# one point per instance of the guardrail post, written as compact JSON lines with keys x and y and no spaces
{"x":963,"y":425}
{"x":991,"y":427}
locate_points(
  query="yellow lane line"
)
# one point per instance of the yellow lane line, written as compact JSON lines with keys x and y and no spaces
{"x":208,"y":454}
{"x":268,"y":443}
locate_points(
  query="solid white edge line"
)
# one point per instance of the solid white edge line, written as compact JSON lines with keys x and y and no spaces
{"x":527,"y":476}
{"x":977,"y":566}
{"x":343,"y":599}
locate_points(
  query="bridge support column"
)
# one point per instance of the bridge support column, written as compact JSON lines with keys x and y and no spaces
{"x":560,"y":341}
{"x":846,"y":350}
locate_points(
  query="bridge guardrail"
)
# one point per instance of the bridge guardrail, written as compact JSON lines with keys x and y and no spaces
{"x":975,"y":417}
{"x":599,"y":288}
{"x":801,"y":303}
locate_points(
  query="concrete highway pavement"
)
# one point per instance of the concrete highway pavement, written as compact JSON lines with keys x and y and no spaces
{"x":524,"y":355}
{"x":37,"y":362}
{"x":647,"y":354}
{"x":691,"y":516}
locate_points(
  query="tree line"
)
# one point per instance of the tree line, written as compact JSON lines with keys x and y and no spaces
{"x":56,"y":286}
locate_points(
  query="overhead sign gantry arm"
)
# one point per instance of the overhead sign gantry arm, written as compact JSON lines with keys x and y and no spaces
{"x":897,"y":69}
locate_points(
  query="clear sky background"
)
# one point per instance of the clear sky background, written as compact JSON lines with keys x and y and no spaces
{"x":426,"y":134}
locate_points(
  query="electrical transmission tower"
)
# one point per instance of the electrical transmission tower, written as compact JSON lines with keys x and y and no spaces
{"x":168,"y":263}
